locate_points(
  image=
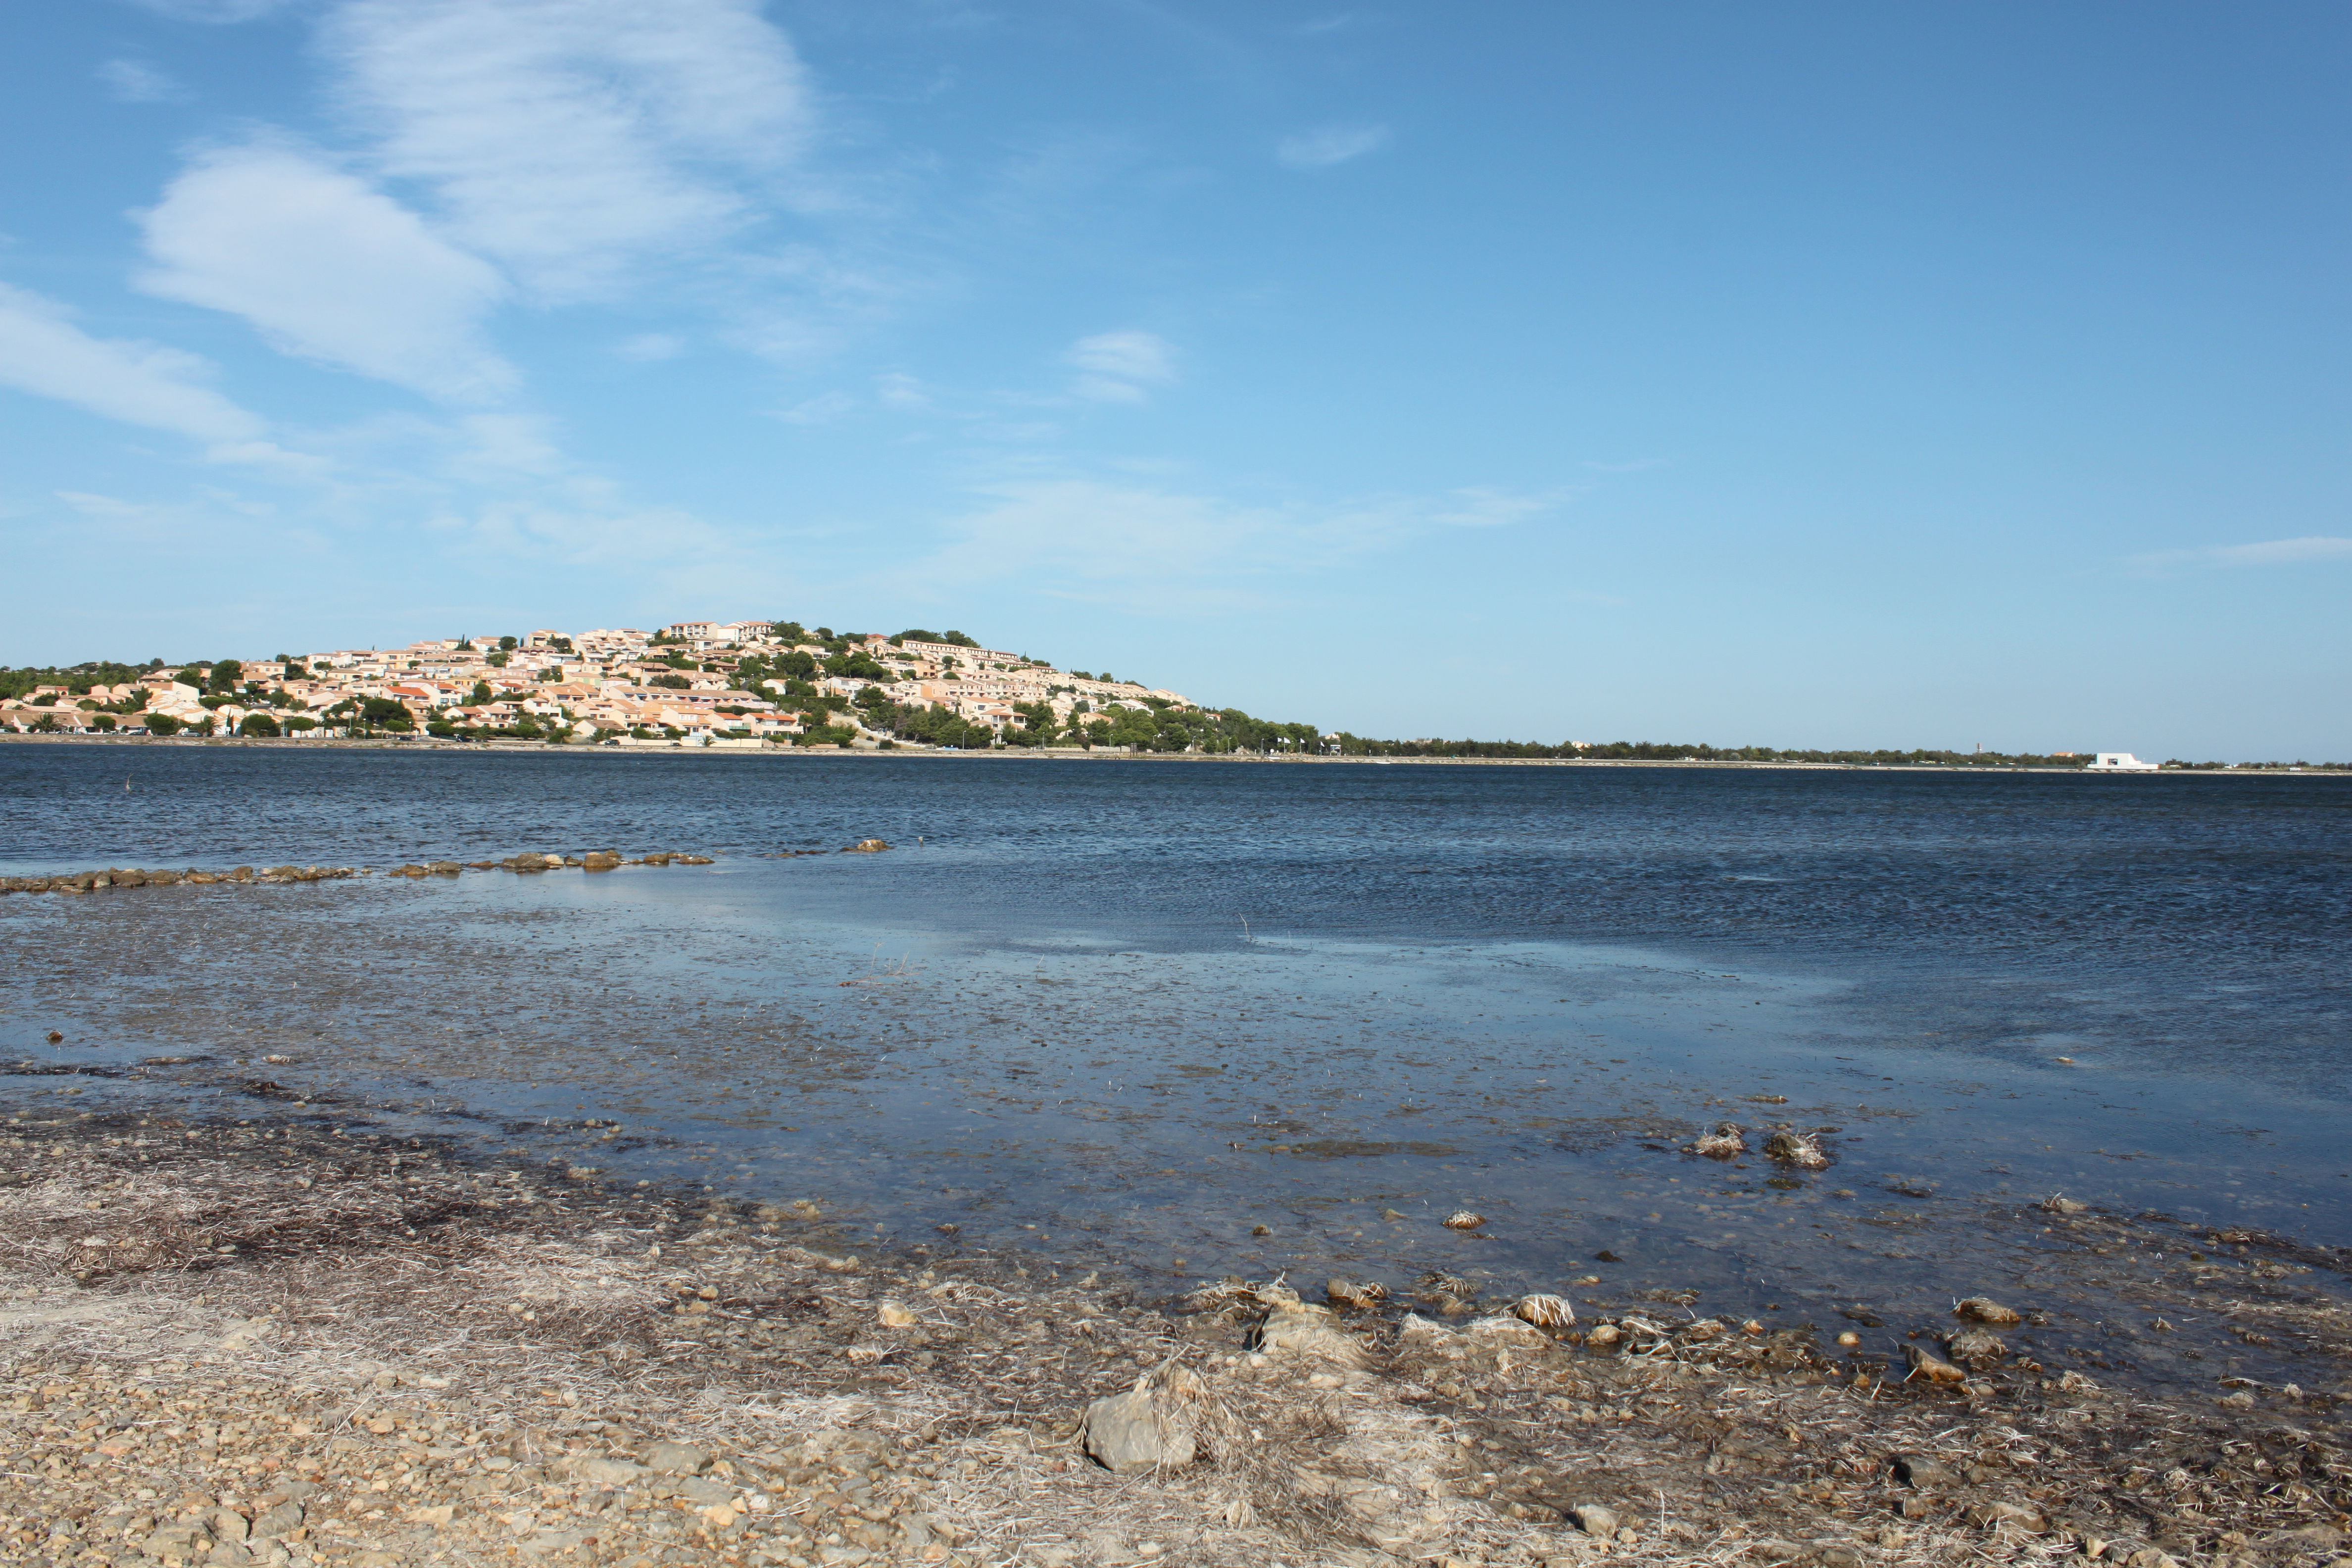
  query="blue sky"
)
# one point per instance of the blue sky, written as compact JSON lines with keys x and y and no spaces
{"x":1795,"y":375}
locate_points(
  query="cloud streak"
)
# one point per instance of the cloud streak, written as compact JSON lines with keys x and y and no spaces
{"x":2309,"y":549}
{"x":1119,"y":367}
{"x":1328,"y":145}
{"x":1165,"y":550}
{"x":43,"y":353}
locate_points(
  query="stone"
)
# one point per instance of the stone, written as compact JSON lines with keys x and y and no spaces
{"x":2057,"y":1202}
{"x":867,"y":847}
{"x":1595,"y":1519}
{"x":1976,"y":1344}
{"x":1545,"y":1311}
{"x":1130,"y":1432}
{"x":280,"y":1519}
{"x":1923,"y":1471}
{"x":599,"y":860}
{"x":1985,"y":1310}
{"x":1463,"y":1219}
{"x":896,"y":1315}
{"x":185,"y":1540}
{"x":1725,"y":1143}
{"x":1798,"y":1149}
{"x":1298,"y":1329}
{"x":1355,"y":1296}
{"x":1508,"y":1331}
{"x":1931,"y":1368}
{"x":675,"y":1458}
{"x":2000,"y":1515}
{"x":606,"y":1472}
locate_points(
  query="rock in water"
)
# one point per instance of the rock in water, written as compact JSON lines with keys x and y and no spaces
{"x":1463,"y":1219}
{"x":1933,"y":1369}
{"x":1976,"y":1344}
{"x":1353,"y":1297}
{"x":1985,"y":1310}
{"x":2059,"y":1203}
{"x":1725,"y":1143}
{"x":1793,"y":1147}
{"x":1545,"y":1311}
{"x":1130,"y":1432}
{"x":867,"y":847}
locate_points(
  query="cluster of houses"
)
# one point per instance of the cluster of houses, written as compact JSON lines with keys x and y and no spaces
{"x":694,"y":682}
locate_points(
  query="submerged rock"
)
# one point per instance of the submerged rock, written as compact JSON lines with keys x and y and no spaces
{"x":1976,"y":1344}
{"x":1463,"y":1219}
{"x":1727,"y":1141}
{"x":1799,"y":1149}
{"x":1354,"y":1297}
{"x":1985,"y":1310}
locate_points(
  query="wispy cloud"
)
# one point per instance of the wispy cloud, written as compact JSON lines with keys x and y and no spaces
{"x":571,"y":138}
{"x":220,"y":12}
{"x":327,"y":268}
{"x":1165,"y":550}
{"x":130,"y":81}
{"x":1119,"y":367}
{"x":1327,"y":145}
{"x":646,"y":347}
{"x":2270,"y":552}
{"x":43,"y":353}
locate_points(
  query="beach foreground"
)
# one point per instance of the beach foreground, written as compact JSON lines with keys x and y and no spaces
{"x":292,"y":1340}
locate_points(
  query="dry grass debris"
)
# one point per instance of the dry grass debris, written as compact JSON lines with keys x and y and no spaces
{"x":289,"y":1342}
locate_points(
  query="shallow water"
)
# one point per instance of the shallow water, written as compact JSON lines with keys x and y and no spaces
{"x":1133,"y":1013}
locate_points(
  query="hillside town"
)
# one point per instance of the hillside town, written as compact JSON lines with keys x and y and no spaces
{"x":746,"y":684}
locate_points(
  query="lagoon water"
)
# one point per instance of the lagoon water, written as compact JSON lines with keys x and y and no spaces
{"x":1191,"y":1018}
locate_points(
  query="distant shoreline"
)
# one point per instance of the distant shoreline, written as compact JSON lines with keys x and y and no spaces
{"x":1075,"y":755}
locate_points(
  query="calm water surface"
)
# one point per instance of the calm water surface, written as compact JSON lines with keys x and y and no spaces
{"x":1139,"y":1012}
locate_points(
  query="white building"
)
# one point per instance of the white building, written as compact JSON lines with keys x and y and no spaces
{"x":2120,"y":762}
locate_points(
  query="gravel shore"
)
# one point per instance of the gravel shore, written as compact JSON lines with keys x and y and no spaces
{"x":295,"y":1340}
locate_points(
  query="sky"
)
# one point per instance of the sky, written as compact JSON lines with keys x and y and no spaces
{"x":1809,"y":374}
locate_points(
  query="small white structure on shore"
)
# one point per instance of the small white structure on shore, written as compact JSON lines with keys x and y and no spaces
{"x":2120,"y":762}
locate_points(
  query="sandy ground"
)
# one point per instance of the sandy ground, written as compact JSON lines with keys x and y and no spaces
{"x":289,"y":1341}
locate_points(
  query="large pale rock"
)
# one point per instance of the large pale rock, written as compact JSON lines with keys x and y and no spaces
{"x":1301,"y":1329}
{"x":1132,"y":1431}
{"x":675,"y":1458}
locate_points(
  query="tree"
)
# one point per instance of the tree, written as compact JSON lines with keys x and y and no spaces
{"x":480,"y":694}
{"x":671,"y":683}
{"x":498,"y":660}
{"x":227,"y":674}
{"x":257,"y":724}
{"x":508,"y":645}
{"x":163,"y":724}
{"x":958,"y":638}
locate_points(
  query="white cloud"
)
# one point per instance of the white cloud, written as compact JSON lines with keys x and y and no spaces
{"x":2270,"y":552}
{"x":1118,"y":366}
{"x":328,"y":270}
{"x":132,"y":82}
{"x":569,"y":139}
{"x":1328,"y":144}
{"x":43,"y":353}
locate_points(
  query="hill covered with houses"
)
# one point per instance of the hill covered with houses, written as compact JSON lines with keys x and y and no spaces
{"x":739,"y":683}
